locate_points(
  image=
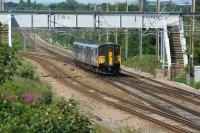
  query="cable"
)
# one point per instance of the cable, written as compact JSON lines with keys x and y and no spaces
{"x":106,"y":22}
{"x":159,"y":14}
{"x":62,"y":25}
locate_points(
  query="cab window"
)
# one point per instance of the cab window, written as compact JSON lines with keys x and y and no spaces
{"x":101,"y":51}
{"x":116,"y":51}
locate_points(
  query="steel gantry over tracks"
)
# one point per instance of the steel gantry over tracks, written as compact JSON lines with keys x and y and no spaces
{"x":81,"y":19}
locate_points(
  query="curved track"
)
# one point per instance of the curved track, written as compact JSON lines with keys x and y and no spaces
{"x":150,"y":114}
{"x":125,"y":81}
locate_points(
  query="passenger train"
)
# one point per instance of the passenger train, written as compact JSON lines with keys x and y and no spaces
{"x":100,"y":57}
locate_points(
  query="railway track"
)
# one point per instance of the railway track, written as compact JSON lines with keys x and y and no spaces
{"x":152,"y":88}
{"x":185,"y":95}
{"x":153,"y":115}
{"x":163,"y":111}
{"x":166,"y":88}
{"x":156,"y":101}
{"x":180,"y":93}
{"x":137,"y":79}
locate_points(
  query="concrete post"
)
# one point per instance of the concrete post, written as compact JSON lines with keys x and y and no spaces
{"x":1,"y":5}
{"x":141,"y":41}
{"x":192,"y":25}
{"x":99,"y":36}
{"x":83,"y":35}
{"x":141,"y":33}
{"x":158,"y":35}
{"x":9,"y":31}
{"x":116,"y":36}
{"x":126,"y":5}
{"x":126,"y":44}
{"x":116,"y":7}
{"x":107,"y":35}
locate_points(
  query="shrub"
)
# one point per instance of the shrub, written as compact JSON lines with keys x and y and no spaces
{"x":27,"y":70}
{"x":197,"y":85}
{"x":102,"y":129}
{"x":147,"y":64}
{"x":8,"y":63}
{"x":180,"y":79}
{"x":127,"y":129}
{"x":20,"y":86}
{"x":60,"y":116}
{"x":47,"y":97}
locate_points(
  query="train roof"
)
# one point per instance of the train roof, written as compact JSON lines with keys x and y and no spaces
{"x":94,"y":44}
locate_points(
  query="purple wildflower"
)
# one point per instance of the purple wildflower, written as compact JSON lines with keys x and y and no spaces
{"x":29,"y":97}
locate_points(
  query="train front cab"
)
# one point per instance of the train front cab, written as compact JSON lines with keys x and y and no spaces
{"x":109,"y":58}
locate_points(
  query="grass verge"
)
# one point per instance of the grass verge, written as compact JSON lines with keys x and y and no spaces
{"x":148,"y":63}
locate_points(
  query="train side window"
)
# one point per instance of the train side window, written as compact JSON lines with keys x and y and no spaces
{"x":117,"y":51}
{"x":95,"y":51}
{"x":101,"y":51}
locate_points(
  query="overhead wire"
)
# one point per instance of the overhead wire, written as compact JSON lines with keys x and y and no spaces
{"x":160,"y":14}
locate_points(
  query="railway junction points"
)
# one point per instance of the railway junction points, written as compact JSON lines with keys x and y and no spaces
{"x":169,"y":106}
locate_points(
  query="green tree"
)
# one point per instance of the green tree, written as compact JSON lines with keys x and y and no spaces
{"x":28,"y":3}
{"x":8,"y":63}
{"x":72,"y":4}
{"x":121,"y":6}
{"x":198,"y":2}
{"x":133,"y":7}
{"x":21,"y":4}
{"x":198,"y":6}
{"x":58,"y":117}
{"x":146,"y":4}
{"x":68,"y":5}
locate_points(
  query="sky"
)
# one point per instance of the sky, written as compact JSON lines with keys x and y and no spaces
{"x":92,"y":1}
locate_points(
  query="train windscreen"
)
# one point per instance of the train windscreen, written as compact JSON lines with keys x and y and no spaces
{"x":117,"y":51}
{"x":102,"y":51}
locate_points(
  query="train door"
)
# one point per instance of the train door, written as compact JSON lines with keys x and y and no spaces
{"x":110,"y":55}
{"x":117,"y":54}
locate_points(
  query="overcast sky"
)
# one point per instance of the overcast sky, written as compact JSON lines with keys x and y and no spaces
{"x":91,"y":1}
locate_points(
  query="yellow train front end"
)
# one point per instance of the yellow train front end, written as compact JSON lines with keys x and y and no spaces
{"x":109,"y":58}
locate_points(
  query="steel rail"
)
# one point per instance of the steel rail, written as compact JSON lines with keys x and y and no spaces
{"x":154,"y":104}
{"x":142,"y":89}
{"x":122,"y":101}
{"x":174,"y":116}
{"x":161,"y":90}
{"x":164,"y":85}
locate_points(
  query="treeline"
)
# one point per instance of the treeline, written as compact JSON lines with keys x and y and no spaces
{"x":74,"y":5}
{"x":68,"y":5}
{"x":198,"y":6}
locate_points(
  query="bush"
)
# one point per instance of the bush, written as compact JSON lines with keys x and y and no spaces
{"x":8,"y":63}
{"x":18,"y":41}
{"x":47,"y":97}
{"x":126,"y":129}
{"x":197,"y":85}
{"x":180,"y":79}
{"x":27,"y":70}
{"x":147,"y":64}
{"x":19,"y":86}
{"x":102,"y":129}
{"x":60,"y":116}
